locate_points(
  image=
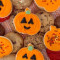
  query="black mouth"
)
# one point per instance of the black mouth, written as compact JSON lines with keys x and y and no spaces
{"x":26,"y":27}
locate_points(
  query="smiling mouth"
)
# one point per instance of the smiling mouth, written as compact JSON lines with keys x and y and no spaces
{"x":26,"y":27}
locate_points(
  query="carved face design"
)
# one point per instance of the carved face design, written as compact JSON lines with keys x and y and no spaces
{"x":5,"y":8}
{"x":27,"y":23}
{"x":48,"y":5}
{"x":29,"y":54}
{"x":52,"y":39}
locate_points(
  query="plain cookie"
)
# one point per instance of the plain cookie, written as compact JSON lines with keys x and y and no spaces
{"x":21,"y":4}
{"x":16,"y":39}
{"x":46,"y":20}
{"x":36,"y":40}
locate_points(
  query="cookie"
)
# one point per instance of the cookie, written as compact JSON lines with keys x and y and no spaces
{"x":9,"y":57}
{"x":6,"y":46}
{"x":46,"y":20}
{"x":27,"y":25}
{"x":57,"y":22}
{"x":6,"y":8}
{"x":11,"y":23}
{"x":21,"y":4}
{"x":29,"y":53}
{"x":36,"y":40}
{"x":16,"y":39}
{"x":2,"y":30}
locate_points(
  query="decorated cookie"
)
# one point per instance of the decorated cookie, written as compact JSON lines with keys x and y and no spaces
{"x":48,"y":5}
{"x":5,"y":8}
{"x":6,"y":46}
{"x":29,"y":53}
{"x":46,"y":20}
{"x":16,"y":39}
{"x":27,"y":22}
{"x":36,"y":40}
{"x":21,"y":4}
{"x":2,"y":30}
{"x":52,"y":39}
{"x":57,"y":22}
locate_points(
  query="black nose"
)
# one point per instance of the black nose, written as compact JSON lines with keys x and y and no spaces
{"x":1,"y":4}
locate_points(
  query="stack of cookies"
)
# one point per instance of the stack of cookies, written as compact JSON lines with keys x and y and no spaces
{"x":23,"y":27}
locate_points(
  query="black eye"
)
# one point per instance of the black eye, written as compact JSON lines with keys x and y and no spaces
{"x":1,"y":4}
{"x":25,"y":56}
{"x":33,"y":57}
{"x":31,"y":21}
{"x":23,"y":20}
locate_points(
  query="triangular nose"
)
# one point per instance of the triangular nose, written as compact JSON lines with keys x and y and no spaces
{"x":1,"y":4}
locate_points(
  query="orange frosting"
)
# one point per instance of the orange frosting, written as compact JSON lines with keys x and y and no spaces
{"x":26,"y":22}
{"x":29,"y":53}
{"x":5,"y":46}
{"x":48,"y":5}
{"x":52,"y":39}
{"x":5,"y":8}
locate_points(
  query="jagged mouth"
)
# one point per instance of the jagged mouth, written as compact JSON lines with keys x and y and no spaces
{"x":27,"y":27}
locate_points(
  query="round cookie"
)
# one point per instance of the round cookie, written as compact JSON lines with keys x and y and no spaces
{"x":21,"y":4}
{"x":2,"y":30}
{"x":16,"y":39}
{"x":36,"y":40}
{"x":11,"y":23}
{"x":46,"y":20}
{"x":57,"y":22}
{"x":9,"y":57}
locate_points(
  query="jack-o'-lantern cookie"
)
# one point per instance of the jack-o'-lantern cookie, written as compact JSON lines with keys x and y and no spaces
{"x":27,"y":22}
{"x":16,"y":40}
{"x":46,"y":20}
{"x":5,"y":8}
{"x":6,"y":46}
{"x":52,"y":39}
{"x":48,"y":5}
{"x":29,"y":53}
{"x":21,"y":4}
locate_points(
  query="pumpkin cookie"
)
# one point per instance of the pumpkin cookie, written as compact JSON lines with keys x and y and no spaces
{"x":27,"y":25}
{"x":48,"y":5}
{"x":46,"y":20}
{"x":21,"y":4}
{"x":6,"y":46}
{"x":5,"y":8}
{"x":16,"y":39}
{"x":52,"y":39}
{"x":2,"y":30}
{"x":36,"y":40}
{"x":29,"y":53}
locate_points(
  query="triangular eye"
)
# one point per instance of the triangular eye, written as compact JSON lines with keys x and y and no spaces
{"x":1,"y":4}
{"x":23,"y":20}
{"x":31,"y":21}
{"x":33,"y":57}
{"x":25,"y":56}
